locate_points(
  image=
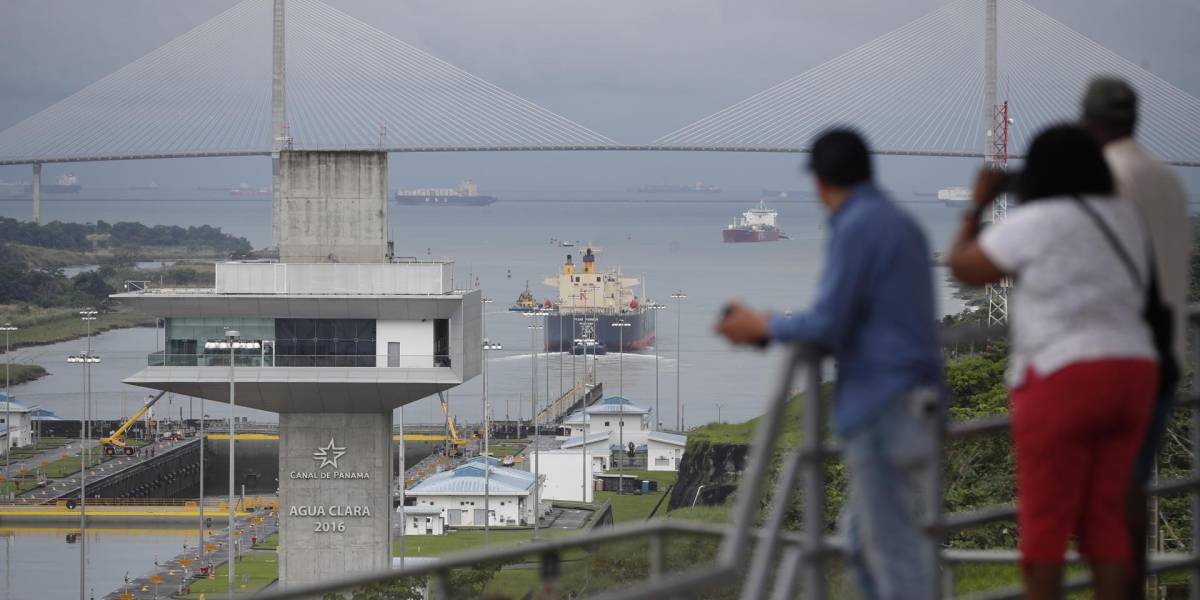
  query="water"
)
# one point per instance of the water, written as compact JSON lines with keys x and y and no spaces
{"x":674,"y":241}
{"x":39,"y":562}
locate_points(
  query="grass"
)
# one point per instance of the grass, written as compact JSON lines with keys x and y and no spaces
{"x":255,"y":571}
{"x":502,"y":449}
{"x":39,"y":326}
{"x":18,"y":374}
{"x":742,"y":433}
{"x":458,"y":541}
{"x":271,"y":543}
{"x":63,"y":466}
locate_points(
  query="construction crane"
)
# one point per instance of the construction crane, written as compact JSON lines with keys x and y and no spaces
{"x":456,"y":443}
{"x":116,"y":439}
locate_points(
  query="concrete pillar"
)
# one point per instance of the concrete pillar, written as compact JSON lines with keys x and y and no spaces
{"x":335,"y":495}
{"x":37,"y":193}
{"x":332,"y":207}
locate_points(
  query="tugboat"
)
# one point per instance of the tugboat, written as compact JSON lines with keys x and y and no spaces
{"x":755,"y":225}
{"x":594,"y":302}
{"x":525,"y":302}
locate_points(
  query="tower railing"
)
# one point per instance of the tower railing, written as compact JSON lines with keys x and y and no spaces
{"x":756,"y":553}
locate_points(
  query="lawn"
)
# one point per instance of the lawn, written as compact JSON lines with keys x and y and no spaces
{"x":50,"y":325}
{"x":271,"y":543}
{"x":255,"y":571}
{"x":459,"y":541}
{"x":503,"y":449}
{"x":18,"y":373}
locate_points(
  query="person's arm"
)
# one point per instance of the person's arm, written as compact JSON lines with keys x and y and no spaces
{"x":968,"y":261}
{"x":839,"y":296}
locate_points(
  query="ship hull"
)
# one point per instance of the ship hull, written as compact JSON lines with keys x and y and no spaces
{"x":408,"y":200}
{"x":742,"y":235}
{"x":639,"y":335}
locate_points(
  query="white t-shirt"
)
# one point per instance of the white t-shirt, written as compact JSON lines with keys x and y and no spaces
{"x":1073,"y":298}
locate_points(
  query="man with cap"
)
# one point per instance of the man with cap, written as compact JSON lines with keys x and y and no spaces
{"x":1110,"y":115}
{"x":874,"y":312}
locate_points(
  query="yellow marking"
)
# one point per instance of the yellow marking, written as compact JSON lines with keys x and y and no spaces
{"x":118,"y":530}
{"x":242,"y":436}
{"x":95,"y":512}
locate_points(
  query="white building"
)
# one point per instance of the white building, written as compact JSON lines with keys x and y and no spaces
{"x":566,"y":474}
{"x":458,"y":495}
{"x":16,"y":424}
{"x":664,"y":450}
{"x":423,"y":520}
{"x":613,"y":424}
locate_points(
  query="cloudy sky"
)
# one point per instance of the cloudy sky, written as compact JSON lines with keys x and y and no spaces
{"x":631,"y":69}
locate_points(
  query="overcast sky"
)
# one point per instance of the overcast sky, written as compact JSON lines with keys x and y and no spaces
{"x":630,"y":69}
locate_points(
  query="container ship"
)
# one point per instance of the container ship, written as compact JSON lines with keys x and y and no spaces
{"x":666,"y":188}
{"x":594,"y":301}
{"x":63,"y":184}
{"x":954,"y":196}
{"x":245,"y":191}
{"x":466,"y":194}
{"x":759,"y":224}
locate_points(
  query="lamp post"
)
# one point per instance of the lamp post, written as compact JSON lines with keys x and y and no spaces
{"x":7,"y":328}
{"x":537,"y":467}
{"x":88,"y":315}
{"x":620,"y":324}
{"x":86,"y":359}
{"x":487,"y":458}
{"x":200,"y":504}
{"x":654,"y":308}
{"x":679,"y":296}
{"x":234,"y":343}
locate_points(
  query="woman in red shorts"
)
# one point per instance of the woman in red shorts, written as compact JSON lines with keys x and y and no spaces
{"x":1082,"y":367}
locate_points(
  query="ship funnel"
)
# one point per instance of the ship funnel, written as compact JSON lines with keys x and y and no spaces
{"x":569,"y":267}
{"x":589,"y":262}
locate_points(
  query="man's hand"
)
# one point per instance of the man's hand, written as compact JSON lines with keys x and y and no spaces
{"x":743,"y":326}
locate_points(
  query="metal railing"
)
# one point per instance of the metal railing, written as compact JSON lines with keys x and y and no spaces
{"x":221,"y":359}
{"x":750,"y":552}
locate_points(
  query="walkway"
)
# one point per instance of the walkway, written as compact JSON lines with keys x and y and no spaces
{"x":68,"y":486}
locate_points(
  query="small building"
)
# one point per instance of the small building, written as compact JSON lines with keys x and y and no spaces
{"x":566,"y":474}
{"x":16,"y":424}
{"x":664,"y":450}
{"x":598,"y":448}
{"x":459,"y":495}
{"x":423,"y":520}
{"x":615,"y":415}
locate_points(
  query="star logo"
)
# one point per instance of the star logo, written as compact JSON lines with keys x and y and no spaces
{"x":329,"y":455}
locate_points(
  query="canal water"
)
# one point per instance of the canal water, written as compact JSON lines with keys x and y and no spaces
{"x":43,"y":562}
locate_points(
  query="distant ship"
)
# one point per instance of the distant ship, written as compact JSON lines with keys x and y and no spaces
{"x":64,"y":184}
{"x":150,"y":187}
{"x":245,"y":191}
{"x":588,"y":308}
{"x":952,"y":196}
{"x":525,"y":302}
{"x":783,"y":194}
{"x":669,"y":188}
{"x":466,"y":194}
{"x":759,"y":224}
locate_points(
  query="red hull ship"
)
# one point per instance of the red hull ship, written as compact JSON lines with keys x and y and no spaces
{"x":755,"y":225}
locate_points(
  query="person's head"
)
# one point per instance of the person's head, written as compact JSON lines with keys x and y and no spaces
{"x":1064,"y":160}
{"x":839,"y":161}
{"x":1109,"y":109}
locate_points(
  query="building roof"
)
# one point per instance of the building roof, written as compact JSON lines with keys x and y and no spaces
{"x":420,"y":510}
{"x":614,"y":405}
{"x":495,"y":462}
{"x":468,"y":479}
{"x":667,"y":438}
{"x":10,"y":404}
{"x":41,"y":414}
{"x":592,"y":438}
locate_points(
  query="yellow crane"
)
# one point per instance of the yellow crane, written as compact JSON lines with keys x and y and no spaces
{"x":116,"y":439}
{"x":455,"y":441}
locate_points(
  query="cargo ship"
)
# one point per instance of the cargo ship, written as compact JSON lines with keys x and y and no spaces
{"x":666,"y":188}
{"x":466,"y":194}
{"x":759,"y":224}
{"x":954,"y":196}
{"x":595,"y":302}
{"x":525,"y":302}
{"x":63,"y":184}
{"x":245,"y":191}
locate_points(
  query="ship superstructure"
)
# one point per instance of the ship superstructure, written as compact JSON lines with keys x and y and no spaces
{"x":466,"y":194}
{"x":954,"y":195}
{"x":594,"y":303}
{"x":759,"y":224}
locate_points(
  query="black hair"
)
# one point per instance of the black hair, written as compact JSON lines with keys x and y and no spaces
{"x":839,"y":157}
{"x":1064,"y":161}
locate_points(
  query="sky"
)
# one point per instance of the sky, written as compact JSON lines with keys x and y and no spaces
{"x":630,"y":69}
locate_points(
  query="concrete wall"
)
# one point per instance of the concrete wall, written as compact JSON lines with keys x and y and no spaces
{"x":343,"y":540}
{"x":415,"y":339}
{"x":418,"y":278}
{"x":459,"y":510}
{"x":333,"y":207}
{"x":564,"y":475}
{"x":658,"y":452}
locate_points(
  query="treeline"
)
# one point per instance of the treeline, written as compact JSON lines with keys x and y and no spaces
{"x":24,"y":284}
{"x":87,"y":237}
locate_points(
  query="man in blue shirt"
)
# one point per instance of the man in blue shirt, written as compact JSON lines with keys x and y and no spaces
{"x":875,"y":313}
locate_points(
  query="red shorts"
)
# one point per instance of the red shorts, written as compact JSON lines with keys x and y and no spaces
{"x":1076,"y":433}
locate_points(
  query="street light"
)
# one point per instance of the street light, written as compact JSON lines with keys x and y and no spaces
{"x":7,"y":328}
{"x":679,"y":297}
{"x":654,"y":308}
{"x":88,"y":315}
{"x":487,"y":458}
{"x":233,"y":343}
{"x":537,"y":467}
{"x":87,"y":359}
{"x":621,"y":325}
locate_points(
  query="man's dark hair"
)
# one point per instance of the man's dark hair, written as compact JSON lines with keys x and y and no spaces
{"x":1110,"y":104}
{"x":839,"y":157}
{"x":1064,"y":161}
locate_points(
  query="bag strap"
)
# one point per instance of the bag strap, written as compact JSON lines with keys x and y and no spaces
{"x":1112,"y":241}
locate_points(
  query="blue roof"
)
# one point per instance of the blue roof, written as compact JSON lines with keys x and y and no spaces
{"x":592,"y":438}
{"x":468,"y":479}
{"x":495,"y":462}
{"x":10,"y":403}
{"x":41,"y":414}
{"x":614,"y":405}
{"x":668,"y":438}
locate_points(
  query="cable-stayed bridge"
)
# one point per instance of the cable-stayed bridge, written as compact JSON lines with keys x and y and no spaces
{"x":918,"y":90}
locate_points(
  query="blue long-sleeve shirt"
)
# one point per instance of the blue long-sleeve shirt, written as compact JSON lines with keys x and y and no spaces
{"x":874,"y":309}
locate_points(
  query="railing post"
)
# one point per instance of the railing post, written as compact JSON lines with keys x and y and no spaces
{"x":551,"y":570}
{"x":442,"y":583}
{"x":1194,"y":583}
{"x":936,"y":507}
{"x":764,"y":555}
{"x":657,"y":557}
{"x":814,"y":484}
